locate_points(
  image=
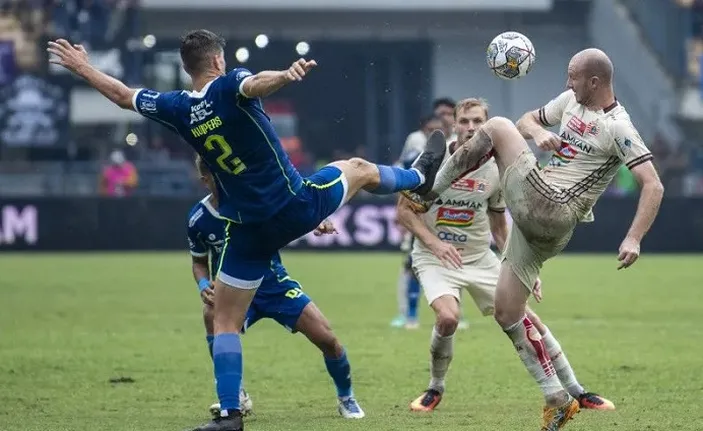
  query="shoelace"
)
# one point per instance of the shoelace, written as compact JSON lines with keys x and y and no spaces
{"x":351,"y":405}
{"x":429,"y":396}
{"x":592,"y":398}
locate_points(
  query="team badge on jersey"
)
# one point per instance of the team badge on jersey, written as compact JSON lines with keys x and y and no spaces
{"x":593,"y":129}
{"x":454,"y":217}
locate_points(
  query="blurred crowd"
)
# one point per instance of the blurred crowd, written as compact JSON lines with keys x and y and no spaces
{"x":156,"y":164}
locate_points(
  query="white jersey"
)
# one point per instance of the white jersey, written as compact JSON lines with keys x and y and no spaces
{"x":460,"y":214}
{"x":594,"y":146}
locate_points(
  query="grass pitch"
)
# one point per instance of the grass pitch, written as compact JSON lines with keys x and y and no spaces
{"x":115,"y":342}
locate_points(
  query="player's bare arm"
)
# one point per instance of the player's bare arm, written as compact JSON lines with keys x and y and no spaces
{"x":530,"y":127}
{"x":651,"y":193}
{"x":408,"y":218}
{"x":202,"y":272}
{"x":75,"y":59}
{"x":499,"y":228}
{"x":268,"y":82}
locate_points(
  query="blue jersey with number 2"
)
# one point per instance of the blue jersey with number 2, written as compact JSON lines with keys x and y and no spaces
{"x":233,"y":134}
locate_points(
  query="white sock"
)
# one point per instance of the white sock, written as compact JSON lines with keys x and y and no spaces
{"x":533,"y":353}
{"x":562,"y":365}
{"x":419,"y":174}
{"x":441,"y":354}
{"x":402,"y":292}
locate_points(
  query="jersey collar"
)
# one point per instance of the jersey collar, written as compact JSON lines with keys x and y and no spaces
{"x":200,"y":94}
{"x":206,"y":203}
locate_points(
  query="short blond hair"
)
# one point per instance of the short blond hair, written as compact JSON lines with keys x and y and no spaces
{"x":469,"y":103}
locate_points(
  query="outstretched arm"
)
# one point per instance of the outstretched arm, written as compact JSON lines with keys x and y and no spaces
{"x":75,"y":59}
{"x":267,"y":82}
{"x":651,"y":193}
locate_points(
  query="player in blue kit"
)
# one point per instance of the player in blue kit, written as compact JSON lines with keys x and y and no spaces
{"x":265,"y":200}
{"x":279,"y":297}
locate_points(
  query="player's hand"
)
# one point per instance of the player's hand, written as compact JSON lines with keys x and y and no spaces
{"x":72,"y":57}
{"x":537,"y":290}
{"x":629,"y":252}
{"x":208,"y":296}
{"x":548,"y":141}
{"x":326,"y":227}
{"x":447,"y":254}
{"x":299,"y":69}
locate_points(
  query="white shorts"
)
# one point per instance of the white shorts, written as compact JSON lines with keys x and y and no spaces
{"x":479,"y":278}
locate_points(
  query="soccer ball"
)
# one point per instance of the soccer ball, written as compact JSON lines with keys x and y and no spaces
{"x":510,"y":55}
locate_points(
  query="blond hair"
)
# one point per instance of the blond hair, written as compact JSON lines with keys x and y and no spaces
{"x":469,"y":103}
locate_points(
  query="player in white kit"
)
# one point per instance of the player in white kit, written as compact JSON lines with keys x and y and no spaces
{"x":452,"y":253}
{"x":596,"y":137}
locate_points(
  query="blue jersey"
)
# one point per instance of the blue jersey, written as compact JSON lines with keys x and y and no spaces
{"x":279,"y":297}
{"x":206,"y":238}
{"x":235,"y":137}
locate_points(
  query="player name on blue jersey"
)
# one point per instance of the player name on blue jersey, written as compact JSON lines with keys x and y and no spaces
{"x":235,"y":138}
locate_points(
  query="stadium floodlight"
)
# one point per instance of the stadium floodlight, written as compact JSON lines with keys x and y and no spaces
{"x":131,"y":139}
{"x":242,"y":55}
{"x":149,"y":41}
{"x":261,"y":41}
{"x":302,"y":48}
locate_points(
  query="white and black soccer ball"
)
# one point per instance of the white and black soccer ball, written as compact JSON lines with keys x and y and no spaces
{"x":510,"y":55}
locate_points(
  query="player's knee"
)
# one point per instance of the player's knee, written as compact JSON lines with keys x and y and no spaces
{"x":363,"y":168}
{"x":208,"y":313}
{"x":506,"y":315}
{"x":498,"y":124}
{"x":331,"y":347}
{"x":446,"y":322}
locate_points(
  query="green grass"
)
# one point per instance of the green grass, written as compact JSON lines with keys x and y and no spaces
{"x":70,"y":323}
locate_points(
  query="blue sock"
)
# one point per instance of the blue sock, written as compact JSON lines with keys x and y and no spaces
{"x":210,"y":340}
{"x":227,"y":357}
{"x":394,"y":179}
{"x":340,"y":371}
{"x":413,"y":297}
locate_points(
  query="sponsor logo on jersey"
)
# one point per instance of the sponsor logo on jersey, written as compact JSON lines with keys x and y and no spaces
{"x":470,"y":185}
{"x":452,"y":237}
{"x":460,"y":203}
{"x":576,"y":143}
{"x":577,"y":125}
{"x":564,"y":156}
{"x":454,"y":217}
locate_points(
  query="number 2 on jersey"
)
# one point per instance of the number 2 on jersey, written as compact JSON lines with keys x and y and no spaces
{"x":230,"y":164}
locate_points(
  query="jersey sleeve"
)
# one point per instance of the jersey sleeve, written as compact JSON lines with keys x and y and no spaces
{"x":551,"y":113}
{"x":160,"y":107}
{"x":496,"y":202}
{"x":236,"y":78}
{"x":195,"y":243}
{"x":629,"y":146}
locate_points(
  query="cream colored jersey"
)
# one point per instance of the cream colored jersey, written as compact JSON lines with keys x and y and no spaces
{"x":460,"y":215}
{"x":594,"y":146}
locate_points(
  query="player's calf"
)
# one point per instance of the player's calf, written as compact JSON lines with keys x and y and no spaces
{"x":566,"y":374}
{"x":313,"y":324}
{"x":383,"y":179}
{"x":510,"y":301}
{"x":497,"y":137}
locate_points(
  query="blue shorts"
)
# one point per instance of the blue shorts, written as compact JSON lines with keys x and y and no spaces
{"x":282,"y":301}
{"x":249,"y":247}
